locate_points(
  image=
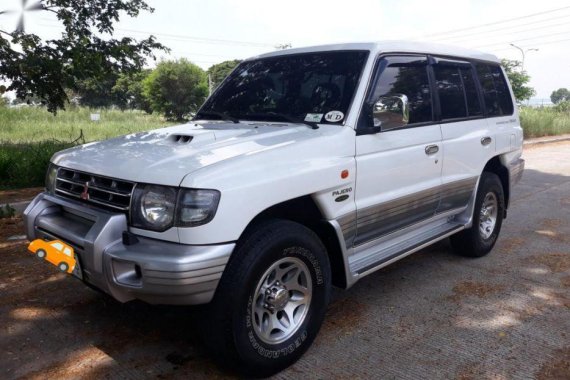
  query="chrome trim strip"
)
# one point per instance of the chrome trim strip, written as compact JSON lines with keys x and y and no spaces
{"x":516,"y":170}
{"x":409,"y":252}
{"x":402,"y":231}
{"x":383,"y":219}
{"x":347,"y":224}
{"x":350,"y":280}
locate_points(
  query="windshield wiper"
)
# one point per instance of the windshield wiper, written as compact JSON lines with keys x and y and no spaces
{"x":293,"y":120}
{"x":222,"y":115}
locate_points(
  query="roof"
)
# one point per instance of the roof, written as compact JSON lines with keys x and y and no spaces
{"x":392,"y":47}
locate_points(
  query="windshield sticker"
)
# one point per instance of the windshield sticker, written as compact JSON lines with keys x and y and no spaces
{"x":314,"y":117}
{"x":334,"y":116}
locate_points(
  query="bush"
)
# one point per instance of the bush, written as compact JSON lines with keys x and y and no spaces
{"x":538,"y":122}
{"x":7,"y":211}
{"x":25,"y":164}
{"x":176,"y":88}
{"x":563,"y":107}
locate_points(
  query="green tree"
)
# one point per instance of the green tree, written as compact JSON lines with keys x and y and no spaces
{"x":86,"y":50}
{"x":176,"y":88}
{"x":560,"y":95}
{"x":98,"y":93}
{"x":519,"y":80}
{"x":129,"y":91}
{"x":220,"y":71}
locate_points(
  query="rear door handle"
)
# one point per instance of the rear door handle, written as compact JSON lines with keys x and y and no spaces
{"x":486,"y":140}
{"x":432,"y":149}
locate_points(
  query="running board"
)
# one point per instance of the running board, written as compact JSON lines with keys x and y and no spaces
{"x":378,"y":256}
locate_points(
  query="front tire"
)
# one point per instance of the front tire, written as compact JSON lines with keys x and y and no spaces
{"x":41,"y":253}
{"x":488,"y":214}
{"x":271,"y":300}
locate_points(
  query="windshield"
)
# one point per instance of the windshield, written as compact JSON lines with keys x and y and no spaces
{"x":311,"y":87}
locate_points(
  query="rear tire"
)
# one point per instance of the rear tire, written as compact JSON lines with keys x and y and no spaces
{"x":271,"y":300}
{"x":41,"y":253}
{"x":488,"y":214}
{"x":63,"y":267}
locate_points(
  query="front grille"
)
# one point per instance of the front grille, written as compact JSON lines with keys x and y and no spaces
{"x":107,"y":192}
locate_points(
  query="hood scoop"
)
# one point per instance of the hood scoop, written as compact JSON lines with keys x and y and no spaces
{"x":181,"y":139}
{"x":194,"y":137}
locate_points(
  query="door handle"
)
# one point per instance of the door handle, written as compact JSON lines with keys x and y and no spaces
{"x":432,"y":149}
{"x":486,"y":140}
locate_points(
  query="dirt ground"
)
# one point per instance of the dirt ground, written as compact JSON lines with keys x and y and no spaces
{"x":433,"y":315}
{"x":13,"y":196}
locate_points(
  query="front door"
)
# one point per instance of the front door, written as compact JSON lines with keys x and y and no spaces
{"x":398,"y":169}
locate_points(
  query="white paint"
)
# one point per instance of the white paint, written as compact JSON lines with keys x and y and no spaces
{"x":256,"y":165}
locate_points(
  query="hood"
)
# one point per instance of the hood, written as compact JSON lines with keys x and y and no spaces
{"x":165,"y":156}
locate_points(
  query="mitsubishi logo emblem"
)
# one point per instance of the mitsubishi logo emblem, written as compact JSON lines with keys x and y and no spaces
{"x":85,"y":193}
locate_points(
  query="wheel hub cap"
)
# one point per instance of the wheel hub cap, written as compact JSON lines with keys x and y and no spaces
{"x":276,"y":298}
{"x":281,"y":300}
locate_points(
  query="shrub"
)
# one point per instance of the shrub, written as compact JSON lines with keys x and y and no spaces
{"x":176,"y":88}
{"x":25,"y":164}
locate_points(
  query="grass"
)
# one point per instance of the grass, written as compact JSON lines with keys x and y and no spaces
{"x":30,"y":136}
{"x":31,"y":124}
{"x":538,"y":122}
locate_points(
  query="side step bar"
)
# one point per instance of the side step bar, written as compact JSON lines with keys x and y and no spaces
{"x":380,"y":256}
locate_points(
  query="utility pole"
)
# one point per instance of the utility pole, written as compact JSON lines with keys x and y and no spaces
{"x":210,"y":84}
{"x":523,"y":53}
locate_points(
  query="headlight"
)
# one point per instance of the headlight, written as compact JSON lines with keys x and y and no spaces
{"x":50,"y":178}
{"x":153,"y":207}
{"x":158,"y":208}
{"x":196,"y":207}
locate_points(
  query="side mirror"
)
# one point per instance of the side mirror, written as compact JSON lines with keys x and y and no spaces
{"x":391,"y":112}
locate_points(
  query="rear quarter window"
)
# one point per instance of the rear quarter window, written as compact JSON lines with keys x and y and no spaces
{"x":496,"y":92}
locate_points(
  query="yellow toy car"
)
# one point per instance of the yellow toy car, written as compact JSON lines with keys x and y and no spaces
{"x":56,"y":252}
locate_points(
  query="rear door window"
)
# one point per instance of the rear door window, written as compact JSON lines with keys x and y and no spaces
{"x":457,"y":91}
{"x":450,"y":90}
{"x":496,"y":93}
{"x":471,"y":96}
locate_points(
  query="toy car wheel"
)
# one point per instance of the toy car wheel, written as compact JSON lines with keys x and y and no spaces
{"x":41,"y":253}
{"x":271,"y":300}
{"x":63,"y":267}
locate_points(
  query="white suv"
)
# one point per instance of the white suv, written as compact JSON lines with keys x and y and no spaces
{"x":306,"y":168}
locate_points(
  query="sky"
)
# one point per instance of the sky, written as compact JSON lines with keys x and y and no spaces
{"x":208,"y":32}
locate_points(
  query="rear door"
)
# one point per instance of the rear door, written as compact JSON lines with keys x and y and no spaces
{"x":398,"y":170}
{"x":468,"y":142}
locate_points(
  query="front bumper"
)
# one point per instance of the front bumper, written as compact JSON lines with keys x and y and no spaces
{"x":150,"y":270}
